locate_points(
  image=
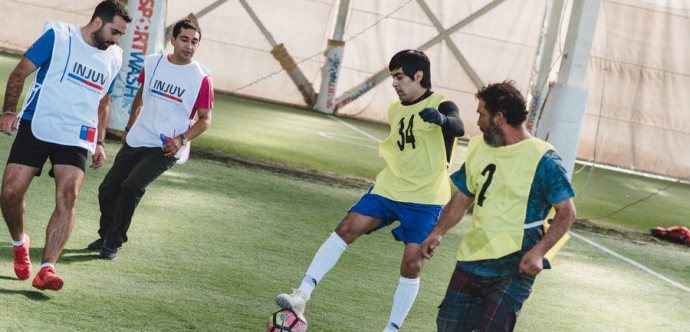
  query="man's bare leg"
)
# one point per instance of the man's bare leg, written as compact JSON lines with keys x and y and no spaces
{"x":408,"y":286}
{"x":349,"y":229}
{"x":15,"y":182}
{"x":68,"y":180}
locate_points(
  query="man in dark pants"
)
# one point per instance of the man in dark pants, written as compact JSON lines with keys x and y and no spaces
{"x":174,"y":89}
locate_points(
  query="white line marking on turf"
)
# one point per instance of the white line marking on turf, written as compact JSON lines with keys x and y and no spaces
{"x":630,"y":261}
{"x":347,"y":138}
{"x":374,"y":138}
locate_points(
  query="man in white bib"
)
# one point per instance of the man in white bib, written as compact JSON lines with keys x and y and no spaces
{"x":174,"y":89}
{"x":63,"y":117}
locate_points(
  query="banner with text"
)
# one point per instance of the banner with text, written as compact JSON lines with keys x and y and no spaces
{"x":145,"y":35}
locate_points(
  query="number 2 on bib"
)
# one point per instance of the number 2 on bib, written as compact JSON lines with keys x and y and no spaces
{"x":406,"y":134}
{"x":491,"y":169}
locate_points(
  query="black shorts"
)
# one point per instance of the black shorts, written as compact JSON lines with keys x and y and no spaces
{"x":31,"y":151}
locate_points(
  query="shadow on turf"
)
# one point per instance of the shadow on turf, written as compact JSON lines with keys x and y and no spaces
{"x":32,"y":295}
{"x":68,"y":255}
{"x":77,"y":255}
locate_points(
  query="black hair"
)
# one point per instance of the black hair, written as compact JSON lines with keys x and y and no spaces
{"x":504,"y":98}
{"x":187,"y":24}
{"x":412,"y":61}
{"x":108,"y":9}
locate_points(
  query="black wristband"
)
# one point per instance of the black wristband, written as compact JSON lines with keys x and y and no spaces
{"x":127,"y":128}
{"x":99,"y":143}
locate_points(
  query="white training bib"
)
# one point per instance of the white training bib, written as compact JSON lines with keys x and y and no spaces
{"x":78,"y":77}
{"x":169,"y":94}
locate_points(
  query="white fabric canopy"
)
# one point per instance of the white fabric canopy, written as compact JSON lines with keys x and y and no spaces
{"x":638,"y":78}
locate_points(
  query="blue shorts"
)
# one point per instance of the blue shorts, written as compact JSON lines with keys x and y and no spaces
{"x":416,"y":220}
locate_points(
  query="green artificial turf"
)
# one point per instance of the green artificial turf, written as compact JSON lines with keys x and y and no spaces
{"x":213,"y":242}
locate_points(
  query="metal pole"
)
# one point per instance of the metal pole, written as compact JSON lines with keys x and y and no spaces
{"x":325,"y":101}
{"x":339,"y":30}
{"x":199,"y":14}
{"x":281,"y":54}
{"x":451,"y":45}
{"x":381,"y":75}
{"x":461,"y":24}
{"x":565,"y":107}
{"x":258,"y":23}
{"x":542,"y":61}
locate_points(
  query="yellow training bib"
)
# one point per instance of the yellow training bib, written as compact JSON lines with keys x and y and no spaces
{"x":500,"y":179}
{"x":416,"y":168}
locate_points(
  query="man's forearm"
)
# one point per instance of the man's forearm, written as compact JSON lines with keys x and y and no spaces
{"x":136,"y":108}
{"x":453,"y":212}
{"x":103,"y":116}
{"x":454,"y":125}
{"x":565,"y":216}
{"x":200,"y":126}
{"x":15,"y":84}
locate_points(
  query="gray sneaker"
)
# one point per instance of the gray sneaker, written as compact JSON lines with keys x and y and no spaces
{"x":296,"y":301}
{"x":96,"y":245}
{"x":108,"y":253}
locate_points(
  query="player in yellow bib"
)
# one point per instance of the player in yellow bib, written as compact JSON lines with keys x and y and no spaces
{"x":512,"y":180}
{"x":411,"y":189}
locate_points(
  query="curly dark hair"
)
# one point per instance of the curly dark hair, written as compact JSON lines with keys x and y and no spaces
{"x":504,"y":98}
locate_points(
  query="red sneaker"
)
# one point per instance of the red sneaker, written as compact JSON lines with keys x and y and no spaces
{"x":22,"y":262}
{"x":47,"y":279}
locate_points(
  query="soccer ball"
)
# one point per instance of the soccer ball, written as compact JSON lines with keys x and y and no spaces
{"x":287,"y":320}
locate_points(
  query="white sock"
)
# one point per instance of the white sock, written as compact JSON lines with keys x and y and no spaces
{"x":20,"y":242}
{"x":324,"y":260}
{"x":402,"y":302}
{"x":50,"y":265}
